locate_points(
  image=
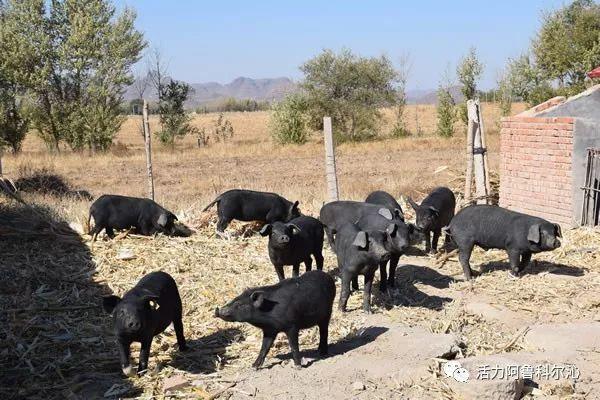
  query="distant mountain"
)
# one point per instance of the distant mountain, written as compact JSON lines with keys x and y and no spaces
{"x":429,"y":96}
{"x":270,"y":89}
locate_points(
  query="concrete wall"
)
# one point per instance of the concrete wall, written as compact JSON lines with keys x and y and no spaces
{"x":536,"y":167}
{"x":584,"y":105}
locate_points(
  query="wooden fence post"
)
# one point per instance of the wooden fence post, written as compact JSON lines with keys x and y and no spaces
{"x":470,"y":128}
{"x":330,"y":171}
{"x":476,"y":157}
{"x":147,"y":139}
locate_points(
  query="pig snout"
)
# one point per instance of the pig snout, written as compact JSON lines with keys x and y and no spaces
{"x":132,"y":325}
{"x":283,"y":239}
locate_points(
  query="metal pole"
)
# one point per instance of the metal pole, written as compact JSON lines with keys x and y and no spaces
{"x":147,"y":139}
{"x":330,"y":170}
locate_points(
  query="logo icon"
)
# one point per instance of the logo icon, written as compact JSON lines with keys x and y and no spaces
{"x":453,"y":369}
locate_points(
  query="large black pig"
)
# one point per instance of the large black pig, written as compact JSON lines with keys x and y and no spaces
{"x":360,"y":252}
{"x":293,"y":243}
{"x":145,"y":311}
{"x":290,"y":305}
{"x":492,"y":227}
{"x":250,"y":205}
{"x":121,"y":212}
{"x":434,"y":213}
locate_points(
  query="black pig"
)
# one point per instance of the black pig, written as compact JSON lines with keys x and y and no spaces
{"x":337,"y":213}
{"x":383,"y":199}
{"x":249,"y":205}
{"x":492,"y":227}
{"x":434,"y":213}
{"x":399,"y":235}
{"x":122,"y":212}
{"x":290,"y":305}
{"x":360,"y":253}
{"x":293,"y":243}
{"x":145,"y":311}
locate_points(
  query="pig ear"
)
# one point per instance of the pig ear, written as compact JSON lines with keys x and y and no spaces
{"x":295,"y":229}
{"x":295,"y":206}
{"x":411,"y":228}
{"x":386,"y":213}
{"x":360,"y":240}
{"x":258,"y":298}
{"x":398,"y":213}
{"x":534,"y":233}
{"x":266,"y":230}
{"x":110,"y":302}
{"x":174,"y":216}
{"x":412,"y":203}
{"x":558,"y":230}
{"x":162,"y":220}
{"x":434,"y":210}
{"x":392,"y":229}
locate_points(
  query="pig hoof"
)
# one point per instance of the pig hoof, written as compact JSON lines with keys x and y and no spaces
{"x":128,"y":371}
{"x":514,"y":276}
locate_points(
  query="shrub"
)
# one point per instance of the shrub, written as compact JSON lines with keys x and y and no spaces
{"x":223,"y":129}
{"x":289,"y":120}
{"x":446,"y":114}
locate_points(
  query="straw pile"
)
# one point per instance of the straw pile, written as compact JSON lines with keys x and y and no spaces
{"x":58,"y":343}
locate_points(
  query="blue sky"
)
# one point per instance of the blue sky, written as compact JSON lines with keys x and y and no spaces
{"x":221,"y":40}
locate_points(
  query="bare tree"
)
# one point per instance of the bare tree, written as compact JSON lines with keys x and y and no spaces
{"x":402,"y":72}
{"x":157,"y":70}
{"x":140,"y":84}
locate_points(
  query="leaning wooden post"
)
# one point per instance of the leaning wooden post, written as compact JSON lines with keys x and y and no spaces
{"x":1,"y":154}
{"x":486,"y":170}
{"x":478,"y":152}
{"x":332,"y":184}
{"x":147,"y":139}
{"x":470,"y":128}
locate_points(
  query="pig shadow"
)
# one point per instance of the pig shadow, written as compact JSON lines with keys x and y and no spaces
{"x":205,"y":354}
{"x":406,"y":294}
{"x":346,"y":344}
{"x":535,"y":267}
{"x":57,"y":338}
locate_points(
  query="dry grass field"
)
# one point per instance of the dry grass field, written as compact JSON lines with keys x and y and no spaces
{"x":58,"y":344}
{"x":189,"y":176}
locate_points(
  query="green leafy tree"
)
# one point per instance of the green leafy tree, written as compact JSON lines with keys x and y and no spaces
{"x":289,"y":122}
{"x":13,"y":123}
{"x":527,"y":82}
{"x":504,"y":94}
{"x":175,"y":123}
{"x":350,"y":89}
{"x":568,"y":44}
{"x":399,"y":129}
{"x":469,"y":71}
{"x":73,"y":58}
{"x":446,"y":113}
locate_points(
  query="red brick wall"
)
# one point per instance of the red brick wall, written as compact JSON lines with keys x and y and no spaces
{"x":535,"y":166}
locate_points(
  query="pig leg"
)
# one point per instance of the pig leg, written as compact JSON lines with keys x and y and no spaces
{"x":124,"y":356}
{"x":393,"y":265}
{"x":178,"y":325}
{"x":323,"y":335}
{"x":525,"y":260}
{"x":329,"y":234}
{"x":367,"y":292}
{"x":222,"y":223}
{"x":110,"y":232}
{"x":144,"y":355}
{"x":319,"y":259}
{"x":355,"y":283}
{"x":292,"y":335}
{"x":434,"y":240}
{"x":345,"y":292}
{"x":464,"y":256}
{"x":267,"y":342}
{"x":296,"y":270}
{"x":383,"y":276}
{"x":308,"y":264}
{"x":279,"y":270}
{"x":427,"y":241}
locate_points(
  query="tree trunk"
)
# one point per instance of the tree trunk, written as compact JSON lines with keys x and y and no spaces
{"x":148,"y":151}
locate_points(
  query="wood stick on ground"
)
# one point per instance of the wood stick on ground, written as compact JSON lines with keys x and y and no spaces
{"x":515,"y":338}
{"x":221,"y":391}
